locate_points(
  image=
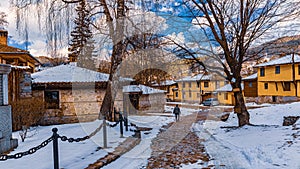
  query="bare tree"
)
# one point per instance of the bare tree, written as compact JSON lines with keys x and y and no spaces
{"x":233,"y":26}
{"x":143,"y":51}
{"x":3,"y":21}
{"x":59,"y":14}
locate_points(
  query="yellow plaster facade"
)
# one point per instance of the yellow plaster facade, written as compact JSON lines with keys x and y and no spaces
{"x":193,"y":91}
{"x":279,"y":77}
{"x":277,"y":80}
{"x":226,"y":98}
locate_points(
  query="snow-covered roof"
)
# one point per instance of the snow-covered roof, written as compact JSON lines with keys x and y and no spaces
{"x":20,"y":67}
{"x":68,"y":73}
{"x":195,"y":78}
{"x":251,"y":77}
{"x":283,"y":60}
{"x":165,"y":83}
{"x":141,"y":88}
{"x":227,"y":88}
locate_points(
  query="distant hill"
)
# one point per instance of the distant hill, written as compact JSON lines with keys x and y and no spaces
{"x":271,"y":50}
{"x":50,"y":62}
{"x":279,"y":47}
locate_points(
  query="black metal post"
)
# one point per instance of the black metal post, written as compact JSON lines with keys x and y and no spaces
{"x":121,"y":124}
{"x":104,"y":133}
{"x":55,"y":148}
{"x":126,"y":120}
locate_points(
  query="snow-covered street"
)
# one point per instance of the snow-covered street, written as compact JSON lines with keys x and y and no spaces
{"x":267,"y":144}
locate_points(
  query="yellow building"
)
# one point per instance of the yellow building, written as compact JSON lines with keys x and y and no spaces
{"x":195,"y":89}
{"x":226,"y":95}
{"x":279,"y":77}
{"x":15,"y":56}
{"x":170,"y":87}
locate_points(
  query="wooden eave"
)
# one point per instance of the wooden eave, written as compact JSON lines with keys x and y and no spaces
{"x":69,"y":85}
{"x":22,"y":56}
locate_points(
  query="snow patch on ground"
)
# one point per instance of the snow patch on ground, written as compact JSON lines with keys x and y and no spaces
{"x":266,"y":145}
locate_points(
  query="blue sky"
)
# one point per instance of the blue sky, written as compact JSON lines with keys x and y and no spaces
{"x":37,"y":41}
{"x":174,"y":13}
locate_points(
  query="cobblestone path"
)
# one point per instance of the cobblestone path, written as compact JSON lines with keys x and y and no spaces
{"x":178,"y":145}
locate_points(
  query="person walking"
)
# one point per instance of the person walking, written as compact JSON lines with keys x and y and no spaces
{"x":177,"y":112}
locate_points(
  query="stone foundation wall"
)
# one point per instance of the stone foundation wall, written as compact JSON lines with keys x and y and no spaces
{"x":275,"y":99}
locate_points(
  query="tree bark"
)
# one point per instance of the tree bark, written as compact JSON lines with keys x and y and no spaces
{"x":107,"y":107}
{"x":240,"y":107}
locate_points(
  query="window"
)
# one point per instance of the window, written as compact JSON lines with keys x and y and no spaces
{"x":183,"y":84}
{"x":198,"y":84}
{"x":205,"y":84}
{"x":277,"y":70}
{"x":262,"y":71}
{"x":266,"y":86}
{"x":250,"y":84}
{"x":225,"y":96}
{"x":190,"y":94}
{"x":190,"y":84}
{"x":176,"y":94}
{"x":51,"y":99}
{"x":217,"y":84}
{"x":286,"y":86}
{"x":298,"y":69}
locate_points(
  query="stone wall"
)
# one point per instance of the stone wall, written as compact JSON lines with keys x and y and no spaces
{"x":153,"y":103}
{"x":77,"y":105}
{"x":6,"y":141}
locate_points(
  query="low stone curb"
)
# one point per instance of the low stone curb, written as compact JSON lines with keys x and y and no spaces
{"x":123,"y":148}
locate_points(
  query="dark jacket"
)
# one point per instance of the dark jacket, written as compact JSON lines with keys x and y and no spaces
{"x":176,"y":110}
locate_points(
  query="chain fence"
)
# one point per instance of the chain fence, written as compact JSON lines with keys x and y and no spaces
{"x":54,"y":138}
{"x":28,"y":152}
{"x":71,"y":140}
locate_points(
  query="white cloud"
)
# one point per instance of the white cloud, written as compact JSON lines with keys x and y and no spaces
{"x":36,"y":37}
{"x":177,"y":38}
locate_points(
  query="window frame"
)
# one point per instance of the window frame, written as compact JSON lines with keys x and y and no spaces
{"x":206,"y":84}
{"x":286,"y":86}
{"x":262,"y":72}
{"x":277,"y":69}
{"x":266,"y":86}
{"x":225,"y":96}
{"x":250,"y":84}
{"x":51,"y":103}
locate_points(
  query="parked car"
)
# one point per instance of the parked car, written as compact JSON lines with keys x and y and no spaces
{"x":210,"y":102}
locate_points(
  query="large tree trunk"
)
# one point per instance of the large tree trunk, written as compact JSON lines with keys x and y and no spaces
{"x":107,"y":103}
{"x":240,"y":108}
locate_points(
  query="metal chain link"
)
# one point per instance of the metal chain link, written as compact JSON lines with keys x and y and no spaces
{"x":71,"y":140}
{"x":28,"y":152}
{"x":113,"y":125}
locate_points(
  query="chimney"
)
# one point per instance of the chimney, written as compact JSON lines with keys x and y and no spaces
{"x":3,"y":37}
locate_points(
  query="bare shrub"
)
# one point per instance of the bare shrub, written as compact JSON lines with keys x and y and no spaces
{"x":26,"y":113}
